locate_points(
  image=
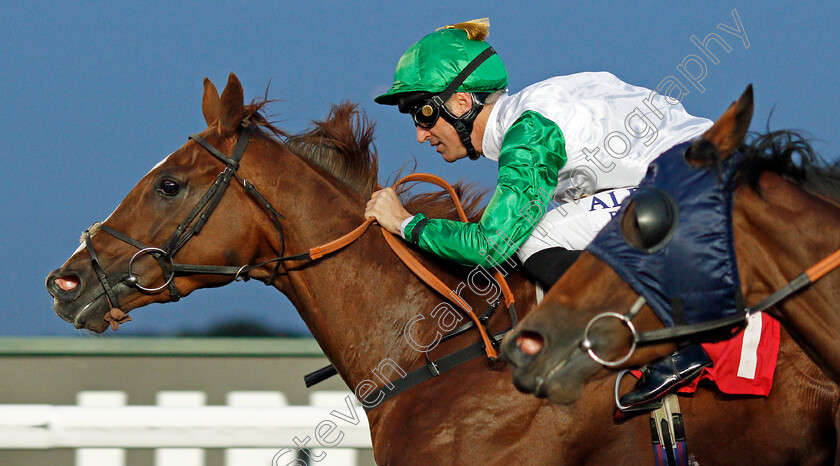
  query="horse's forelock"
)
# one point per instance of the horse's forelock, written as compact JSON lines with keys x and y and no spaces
{"x":254,"y":117}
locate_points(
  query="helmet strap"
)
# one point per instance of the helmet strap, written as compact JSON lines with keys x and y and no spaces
{"x":464,"y":124}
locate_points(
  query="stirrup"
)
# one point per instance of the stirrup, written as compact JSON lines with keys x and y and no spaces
{"x":644,"y":407}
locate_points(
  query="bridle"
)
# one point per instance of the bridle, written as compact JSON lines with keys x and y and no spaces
{"x":189,"y":227}
{"x":696,"y":331}
{"x":641,"y":240}
{"x":199,"y":215}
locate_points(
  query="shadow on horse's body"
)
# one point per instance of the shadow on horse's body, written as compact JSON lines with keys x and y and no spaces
{"x":358,"y":301}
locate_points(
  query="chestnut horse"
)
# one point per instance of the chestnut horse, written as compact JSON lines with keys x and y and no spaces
{"x":357,"y":302}
{"x":785,"y":219}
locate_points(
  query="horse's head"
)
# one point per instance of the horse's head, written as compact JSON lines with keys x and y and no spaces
{"x":183,"y":211}
{"x":592,"y":313}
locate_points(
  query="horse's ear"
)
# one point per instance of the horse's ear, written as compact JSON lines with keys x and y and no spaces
{"x":731,"y":128}
{"x":232,"y":108}
{"x":210,"y":103}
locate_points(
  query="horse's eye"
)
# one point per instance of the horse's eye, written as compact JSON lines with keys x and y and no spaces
{"x":169,"y":188}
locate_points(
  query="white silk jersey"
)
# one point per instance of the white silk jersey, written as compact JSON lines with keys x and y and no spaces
{"x":612,"y":129}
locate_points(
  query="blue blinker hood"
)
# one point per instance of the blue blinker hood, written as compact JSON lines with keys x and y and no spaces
{"x":693,"y":276}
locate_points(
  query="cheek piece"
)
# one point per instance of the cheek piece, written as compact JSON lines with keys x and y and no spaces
{"x":463,"y":124}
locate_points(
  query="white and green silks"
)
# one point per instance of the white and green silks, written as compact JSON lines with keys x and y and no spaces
{"x":561,"y":138}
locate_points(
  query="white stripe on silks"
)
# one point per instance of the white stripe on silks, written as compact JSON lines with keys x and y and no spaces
{"x":749,"y":347}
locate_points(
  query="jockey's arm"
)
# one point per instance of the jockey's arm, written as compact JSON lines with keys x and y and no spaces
{"x":532,"y":153}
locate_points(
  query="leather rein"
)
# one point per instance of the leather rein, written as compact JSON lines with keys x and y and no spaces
{"x":198,"y":216}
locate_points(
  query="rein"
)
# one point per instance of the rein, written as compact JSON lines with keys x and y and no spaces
{"x":683,"y":332}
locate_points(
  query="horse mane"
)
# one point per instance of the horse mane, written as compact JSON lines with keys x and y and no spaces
{"x":439,"y":204}
{"x":342,"y":145}
{"x":790,"y":155}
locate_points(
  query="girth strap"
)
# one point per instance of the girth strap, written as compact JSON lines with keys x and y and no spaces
{"x":425,"y":373}
{"x":668,"y":434}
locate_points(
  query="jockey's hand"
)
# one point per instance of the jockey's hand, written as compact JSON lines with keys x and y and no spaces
{"x":386,"y":208}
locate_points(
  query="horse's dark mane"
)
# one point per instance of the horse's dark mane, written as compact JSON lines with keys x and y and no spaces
{"x":789,"y":155}
{"x":343,"y":146}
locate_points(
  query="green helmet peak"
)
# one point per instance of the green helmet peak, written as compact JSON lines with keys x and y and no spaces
{"x":434,"y":61}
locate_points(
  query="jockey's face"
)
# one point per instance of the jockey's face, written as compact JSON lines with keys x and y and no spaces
{"x":443,"y":137}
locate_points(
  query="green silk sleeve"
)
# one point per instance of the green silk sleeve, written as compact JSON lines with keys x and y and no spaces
{"x":533,"y":151}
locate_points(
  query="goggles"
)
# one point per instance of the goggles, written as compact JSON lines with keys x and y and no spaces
{"x":427,"y":113}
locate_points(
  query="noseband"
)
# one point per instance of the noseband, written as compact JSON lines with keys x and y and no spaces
{"x":188,"y":228}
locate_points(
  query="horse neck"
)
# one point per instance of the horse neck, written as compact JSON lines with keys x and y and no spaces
{"x":355,"y":301}
{"x":777,"y":237}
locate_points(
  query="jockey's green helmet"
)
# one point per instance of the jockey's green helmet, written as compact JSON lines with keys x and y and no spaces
{"x":434,"y":61}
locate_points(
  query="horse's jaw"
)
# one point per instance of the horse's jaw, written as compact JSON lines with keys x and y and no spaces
{"x":88,"y":315}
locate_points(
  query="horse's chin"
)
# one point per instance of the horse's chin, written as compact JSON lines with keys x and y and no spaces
{"x":90,"y":316}
{"x":563,"y":393}
{"x":566,"y":385}
{"x":561,"y":382}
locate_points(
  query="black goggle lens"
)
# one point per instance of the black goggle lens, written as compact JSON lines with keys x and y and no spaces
{"x":425,"y":115}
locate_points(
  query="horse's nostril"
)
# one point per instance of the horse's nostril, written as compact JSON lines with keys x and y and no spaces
{"x":68,"y":282}
{"x":530,"y":343}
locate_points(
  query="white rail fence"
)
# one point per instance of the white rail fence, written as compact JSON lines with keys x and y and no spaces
{"x":254,"y":428}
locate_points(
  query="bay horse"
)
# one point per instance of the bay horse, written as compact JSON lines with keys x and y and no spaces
{"x":358,"y":302}
{"x":785,"y":218}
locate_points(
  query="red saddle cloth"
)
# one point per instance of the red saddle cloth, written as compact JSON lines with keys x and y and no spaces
{"x":744,"y":364}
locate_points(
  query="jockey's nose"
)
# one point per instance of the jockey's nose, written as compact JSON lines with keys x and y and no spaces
{"x":523,"y":347}
{"x":422,"y":134}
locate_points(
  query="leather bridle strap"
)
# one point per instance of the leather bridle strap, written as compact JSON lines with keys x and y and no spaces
{"x":198,"y":216}
{"x":728,"y":323}
{"x":402,"y":251}
{"x":182,"y":234}
{"x":430,"y":279}
{"x":440,"y":182}
{"x":796,"y":285}
{"x":100,"y":272}
{"x":213,"y":196}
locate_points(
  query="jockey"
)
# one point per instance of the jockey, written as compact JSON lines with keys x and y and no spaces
{"x":569,"y":150}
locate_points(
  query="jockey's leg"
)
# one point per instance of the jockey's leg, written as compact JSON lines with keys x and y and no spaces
{"x":548,"y":265}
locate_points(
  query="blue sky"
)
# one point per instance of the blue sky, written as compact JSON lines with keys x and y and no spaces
{"x":94,"y":95}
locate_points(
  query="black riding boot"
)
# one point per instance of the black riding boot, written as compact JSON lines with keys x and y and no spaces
{"x":664,"y":374}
